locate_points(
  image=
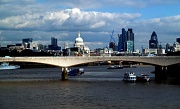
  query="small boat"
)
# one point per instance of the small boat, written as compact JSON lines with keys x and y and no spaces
{"x":130,"y":66}
{"x":75,"y":72}
{"x":133,"y":66}
{"x":6,"y":66}
{"x":115,"y":67}
{"x":143,"y":78}
{"x":129,"y":77}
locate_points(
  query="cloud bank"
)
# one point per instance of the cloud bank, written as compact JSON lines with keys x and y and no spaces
{"x":43,"y":20}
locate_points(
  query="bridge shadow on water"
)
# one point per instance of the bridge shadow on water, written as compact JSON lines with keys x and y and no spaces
{"x":169,"y":81}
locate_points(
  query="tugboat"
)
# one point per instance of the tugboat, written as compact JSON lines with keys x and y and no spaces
{"x":143,"y":78}
{"x":129,"y":77}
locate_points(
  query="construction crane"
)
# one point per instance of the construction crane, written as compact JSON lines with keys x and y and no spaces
{"x":112,"y":43}
{"x":112,"y":39}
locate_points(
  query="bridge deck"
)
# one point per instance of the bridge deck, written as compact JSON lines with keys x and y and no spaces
{"x":75,"y":60}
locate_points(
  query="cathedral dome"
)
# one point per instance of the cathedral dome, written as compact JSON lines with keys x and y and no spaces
{"x":78,"y":41}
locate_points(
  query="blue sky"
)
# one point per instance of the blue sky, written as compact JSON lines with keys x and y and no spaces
{"x":95,"y":19}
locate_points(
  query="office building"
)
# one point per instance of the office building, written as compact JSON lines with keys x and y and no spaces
{"x":54,"y":45}
{"x":126,"y":41}
{"x":27,"y":43}
{"x":123,"y":41}
{"x":130,"y":35}
{"x":53,"y":41}
{"x":129,"y":46}
{"x":153,"y":42}
{"x":130,"y":41}
{"x":112,"y":45}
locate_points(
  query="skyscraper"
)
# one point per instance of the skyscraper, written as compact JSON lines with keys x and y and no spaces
{"x":122,"y":40}
{"x":119,"y":42}
{"x":130,"y":35}
{"x":53,"y":41}
{"x":54,"y":45}
{"x":130,"y":40}
{"x":126,"y":40}
{"x":129,"y":46}
{"x":153,"y":42}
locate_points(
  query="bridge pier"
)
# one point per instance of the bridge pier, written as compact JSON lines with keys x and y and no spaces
{"x":64,"y":75}
{"x":161,"y":72}
{"x":174,"y":71}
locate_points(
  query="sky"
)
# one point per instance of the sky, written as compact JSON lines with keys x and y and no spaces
{"x":95,"y":19}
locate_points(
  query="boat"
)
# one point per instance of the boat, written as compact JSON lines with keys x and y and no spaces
{"x":133,"y":66}
{"x":143,"y":78}
{"x":115,"y":67}
{"x":129,"y":77}
{"x":75,"y":72}
{"x":130,"y":66}
{"x":6,"y":66}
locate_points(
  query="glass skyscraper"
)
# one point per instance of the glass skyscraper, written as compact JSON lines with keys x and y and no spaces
{"x":153,"y":42}
{"x":53,"y":41}
{"x":122,"y":40}
{"x":126,"y":40}
{"x":130,"y":40}
{"x":129,"y":46}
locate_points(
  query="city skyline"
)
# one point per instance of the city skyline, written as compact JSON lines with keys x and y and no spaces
{"x":43,"y":19}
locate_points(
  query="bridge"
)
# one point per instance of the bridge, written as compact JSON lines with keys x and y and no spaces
{"x":161,"y":62}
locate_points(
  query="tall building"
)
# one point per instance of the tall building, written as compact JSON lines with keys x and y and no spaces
{"x":119,"y":42}
{"x":54,"y":45}
{"x":153,"y":42}
{"x":129,"y":46}
{"x":130,"y":40}
{"x":122,"y":40}
{"x":53,"y":41}
{"x":126,"y":40}
{"x":130,"y":34}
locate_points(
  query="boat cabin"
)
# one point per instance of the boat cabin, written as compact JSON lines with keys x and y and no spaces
{"x":129,"y":77}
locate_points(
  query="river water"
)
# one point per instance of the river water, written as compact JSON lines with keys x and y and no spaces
{"x":97,"y":88}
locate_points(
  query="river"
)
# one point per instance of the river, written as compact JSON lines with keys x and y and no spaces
{"x":97,"y":88}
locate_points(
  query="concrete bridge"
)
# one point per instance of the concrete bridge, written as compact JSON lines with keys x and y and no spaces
{"x":76,"y":60}
{"x":162,"y":62}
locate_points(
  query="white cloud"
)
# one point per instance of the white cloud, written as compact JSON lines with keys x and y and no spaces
{"x":70,"y":18}
{"x":98,"y":24}
{"x":41,"y":21}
